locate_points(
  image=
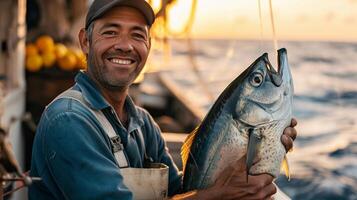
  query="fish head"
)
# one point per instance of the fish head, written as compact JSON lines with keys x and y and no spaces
{"x":264,"y":93}
{"x":264,"y":108}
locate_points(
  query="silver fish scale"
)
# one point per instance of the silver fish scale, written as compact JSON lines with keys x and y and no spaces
{"x":272,"y":152}
{"x":232,"y":147}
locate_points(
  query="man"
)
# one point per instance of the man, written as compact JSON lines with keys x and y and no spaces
{"x":72,"y":151}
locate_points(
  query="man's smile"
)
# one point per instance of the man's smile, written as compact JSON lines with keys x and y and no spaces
{"x":118,"y":61}
{"x":121,"y":61}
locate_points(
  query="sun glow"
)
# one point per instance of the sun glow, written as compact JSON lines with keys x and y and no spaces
{"x":155,"y":4}
{"x":294,"y":19}
{"x":179,"y":15}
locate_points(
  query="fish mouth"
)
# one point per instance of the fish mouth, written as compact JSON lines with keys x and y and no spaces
{"x":276,"y":76}
{"x":281,"y":60}
{"x":283,"y":67}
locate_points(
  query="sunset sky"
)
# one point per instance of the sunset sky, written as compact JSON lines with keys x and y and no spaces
{"x":294,"y":19}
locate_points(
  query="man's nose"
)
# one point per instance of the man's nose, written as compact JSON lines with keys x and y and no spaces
{"x":123,"y":44}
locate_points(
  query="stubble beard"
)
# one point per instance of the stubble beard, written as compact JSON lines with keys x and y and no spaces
{"x":103,"y":77}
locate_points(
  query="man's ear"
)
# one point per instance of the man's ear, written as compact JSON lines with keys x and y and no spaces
{"x":149,"y":43}
{"x":83,"y":41}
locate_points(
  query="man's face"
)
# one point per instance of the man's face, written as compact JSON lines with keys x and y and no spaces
{"x":118,"y":48}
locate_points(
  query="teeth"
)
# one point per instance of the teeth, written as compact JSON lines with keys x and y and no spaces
{"x":120,"y":61}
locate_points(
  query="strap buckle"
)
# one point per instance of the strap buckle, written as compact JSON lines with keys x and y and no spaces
{"x":116,"y":144}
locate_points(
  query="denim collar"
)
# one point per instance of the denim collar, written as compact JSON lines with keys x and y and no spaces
{"x":96,"y":101}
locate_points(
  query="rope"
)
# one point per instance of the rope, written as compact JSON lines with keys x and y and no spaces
{"x":273,"y":25}
{"x":261,"y":23}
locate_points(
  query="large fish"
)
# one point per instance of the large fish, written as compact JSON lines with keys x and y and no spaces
{"x":248,"y":118}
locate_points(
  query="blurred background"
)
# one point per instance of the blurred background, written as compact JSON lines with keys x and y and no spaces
{"x":199,"y":47}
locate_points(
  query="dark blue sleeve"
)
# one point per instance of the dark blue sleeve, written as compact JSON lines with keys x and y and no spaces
{"x":161,"y":154}
{"x":79,"y":159}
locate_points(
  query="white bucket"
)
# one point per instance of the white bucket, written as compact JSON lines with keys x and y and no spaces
{"x":147,"y":183}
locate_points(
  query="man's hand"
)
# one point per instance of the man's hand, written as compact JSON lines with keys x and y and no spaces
{"x":289,"y":135}
{"x":232,"y":184}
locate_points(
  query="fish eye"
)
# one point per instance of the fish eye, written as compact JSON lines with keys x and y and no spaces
{"x":256,"y":79}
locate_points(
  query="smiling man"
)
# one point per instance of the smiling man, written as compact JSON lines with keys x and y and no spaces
{"x":91,"y":133}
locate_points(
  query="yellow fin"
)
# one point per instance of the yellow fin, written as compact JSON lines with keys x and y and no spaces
{"x":186,"y":147}
{"x":285,"y":167}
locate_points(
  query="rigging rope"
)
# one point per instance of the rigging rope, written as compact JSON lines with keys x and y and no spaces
{"x":261,"y":23}
{"x":273,"y":25}
{"x":201,"y":80}
{"x":185,"y":31}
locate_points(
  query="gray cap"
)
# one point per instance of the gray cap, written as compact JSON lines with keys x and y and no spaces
{"x":100,"y":7}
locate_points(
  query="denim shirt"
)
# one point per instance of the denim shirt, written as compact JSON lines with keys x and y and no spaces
{"x":73,"y":156}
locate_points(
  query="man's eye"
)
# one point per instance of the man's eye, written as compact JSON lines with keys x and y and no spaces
{"x":139,"y":36}
{"x":109,"y":33}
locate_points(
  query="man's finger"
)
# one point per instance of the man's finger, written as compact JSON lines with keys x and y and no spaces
{"x":293,"y":122}
{"x":291,"y":132}
{"x":234,"y":192}
{"x":257,"y":182}
{"x":262,"y":193}
{"x":287,"y":142}
{"x":259,"y":187}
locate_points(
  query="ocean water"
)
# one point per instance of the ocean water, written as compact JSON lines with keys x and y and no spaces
{"x":323,"y":163}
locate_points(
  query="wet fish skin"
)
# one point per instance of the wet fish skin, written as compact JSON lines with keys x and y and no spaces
{"x":258,"y":101}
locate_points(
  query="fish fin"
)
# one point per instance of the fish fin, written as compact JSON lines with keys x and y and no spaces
{"x":254,"y":142}
{"x":186,"y":147}
{"x":285,"y":167}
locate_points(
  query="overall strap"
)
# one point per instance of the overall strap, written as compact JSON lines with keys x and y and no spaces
{"x":116,"y":145}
